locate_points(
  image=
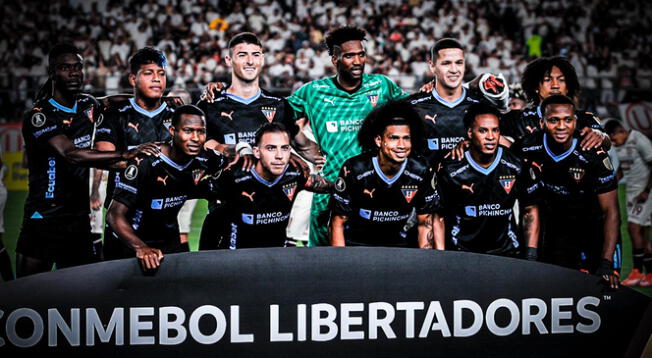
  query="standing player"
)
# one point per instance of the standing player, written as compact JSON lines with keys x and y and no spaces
{"x":257,"y":202}
{"x":634,"y":152}
{"x":544,"y":77}
{"x":58,"y":133}
{"x":377,"y":190}
{"x":141,"y":119}
{"x":142,"y":217}
{"x":442,"y":109}
{"x":579,"y":199}
{"x":235,"y":115}
{"x":479,"y":192}
{"x":335,"y":108}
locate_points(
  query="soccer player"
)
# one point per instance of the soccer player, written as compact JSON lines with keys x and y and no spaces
{"x":257,"y":202}
{"x":634,"y":152}
{"x":376,"y":191}
{"x":479,"y":192}
{"x":442,"y":109}
{"x":142,"y":217}
{"x":140,"y":119}
{"x":579,"y":200}
{"x":58,"y":134}
{"x":543,"y":77}
{"x":335,"y":108}
{"x":234,"y":116}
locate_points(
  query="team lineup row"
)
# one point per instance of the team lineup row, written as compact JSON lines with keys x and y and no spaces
{"x":445,"y":168}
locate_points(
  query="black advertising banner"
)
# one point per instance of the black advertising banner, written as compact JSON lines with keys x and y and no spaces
{"x":322,"y":302}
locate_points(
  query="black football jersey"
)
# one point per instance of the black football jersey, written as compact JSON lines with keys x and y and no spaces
{"x":57,"y":187}
{"x":477,"y":202}
{"x":257,"y":210}
{"x":155,"y":188}
{"x":518,"y":123}
{"x":571,"y":180}
{"x":231,"y":119}
{"x":444,"y":121}
{"x":127,"y":125}
{"x":378,"y":207}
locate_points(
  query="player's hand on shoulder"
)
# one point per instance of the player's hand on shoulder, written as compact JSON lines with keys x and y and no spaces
{"x":428,"y":87}
{"x":212,"y":91}
{"x":149,"y":258}
{"x":151,"y":148}
{"x":457,"y":153}
{"x":592,"y":138}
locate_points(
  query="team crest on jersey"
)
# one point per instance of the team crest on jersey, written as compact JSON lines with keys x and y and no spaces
{"x":131,"y":172}
{"x":409,"y":191}
{"x":197,"y":174}
{"x":507,"y":181}
{"x":289,"y":190}
{"x":340,"y":185}
{"x":89,"y":114}
{"x":577,"y":174}
{"x":373,"y":98}
{"x":269,"y":113}
{"x":38,"y":119}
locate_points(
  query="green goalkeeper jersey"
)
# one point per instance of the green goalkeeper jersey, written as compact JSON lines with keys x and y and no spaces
{"x":336,"y":115}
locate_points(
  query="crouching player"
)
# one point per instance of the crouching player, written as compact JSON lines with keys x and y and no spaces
{"x":377,"y":191}
{"x":142,"y":217}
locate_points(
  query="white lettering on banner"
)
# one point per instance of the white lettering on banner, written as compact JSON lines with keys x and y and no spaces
{"x":326,"y":322}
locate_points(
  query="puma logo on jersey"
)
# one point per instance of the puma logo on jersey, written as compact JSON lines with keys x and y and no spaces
{"x":530,"y":129}
{"x":432,"y":118}
{"x":228,"y":115}
{"x":162,"y":180}
{"x":68,"y":121}
{"x":138,"y":160}
{"x":600,"y":151}
{"x":328,"y":100}
{"x":538,"y":166}
{"x":370,"y":193}
{"x":469,"y":188}
{"x":134,"y":126}
{"x":250,"y":196}
{"x":346,"y":171}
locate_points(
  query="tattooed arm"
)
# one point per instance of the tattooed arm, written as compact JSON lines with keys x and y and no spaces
{"x":439,"y":231}
{"x":426,"y":233}
{"x":531,"y":226}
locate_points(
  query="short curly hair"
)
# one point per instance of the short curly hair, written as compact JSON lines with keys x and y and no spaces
{"x":392,"y":113}
{"x":341,"y":35}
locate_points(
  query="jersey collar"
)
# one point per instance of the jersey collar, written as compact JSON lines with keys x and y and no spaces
{"x":145,"y":112}
{"x":174,"y":165}
{"x":62,"y":107}
{"x":245,"y":100}
{"x":265,"y":182}
{"x":539,"y":112}
{"x":561,"y":156}
{"x":446,"y":103}
{"x":478,"y":167}
{"x":382,"y":175}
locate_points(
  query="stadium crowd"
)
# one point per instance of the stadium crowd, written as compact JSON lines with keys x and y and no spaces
{"x":608,"y":43}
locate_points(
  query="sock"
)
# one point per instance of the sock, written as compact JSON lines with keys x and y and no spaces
{"x":639,"y":256}
{"x":647,"y":261}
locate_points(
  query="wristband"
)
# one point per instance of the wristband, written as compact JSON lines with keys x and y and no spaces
{"x":243,"y":148}
{"x":531,"y":253}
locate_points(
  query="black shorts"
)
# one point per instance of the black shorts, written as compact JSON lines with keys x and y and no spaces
{"x":576,"y":245}
{"x":64,"y":241}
